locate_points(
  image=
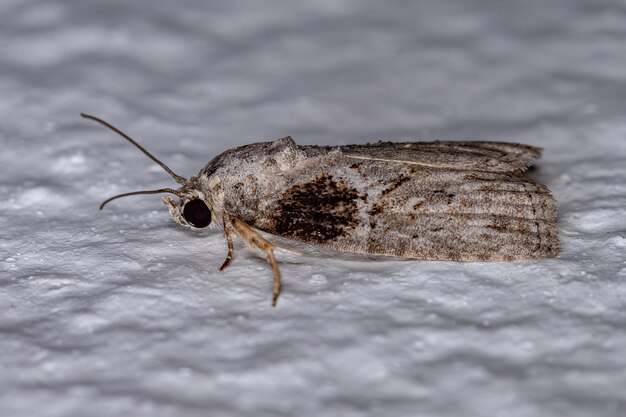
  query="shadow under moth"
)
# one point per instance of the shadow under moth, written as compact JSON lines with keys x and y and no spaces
{"x":459,"y":201}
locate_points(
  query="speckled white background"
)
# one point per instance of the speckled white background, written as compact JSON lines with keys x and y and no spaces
{"x":122,"y":312}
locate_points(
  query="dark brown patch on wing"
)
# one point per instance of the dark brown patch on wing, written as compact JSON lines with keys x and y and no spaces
{"x":377,"y":209}
{"x":398,"y":181}
{"x":317,"y":211}
{"x":395,"y":184}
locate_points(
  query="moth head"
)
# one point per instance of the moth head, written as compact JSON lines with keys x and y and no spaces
{"x":193,"y":208}
{"x":190,"y":211}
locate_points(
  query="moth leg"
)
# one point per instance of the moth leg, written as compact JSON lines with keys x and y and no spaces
{"x":254,"y":239}
{"x":229,"y":232}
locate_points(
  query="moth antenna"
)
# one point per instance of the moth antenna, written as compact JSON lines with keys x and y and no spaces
{"x":162,"y":190}
{"x":177,"y":178}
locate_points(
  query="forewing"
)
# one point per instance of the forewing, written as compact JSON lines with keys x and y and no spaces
{"x":413,"y":210}
{"x":457,"y":215}
{"x":484,"y":156}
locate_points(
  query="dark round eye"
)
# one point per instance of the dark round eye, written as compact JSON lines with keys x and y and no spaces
{"x":197,"y":213}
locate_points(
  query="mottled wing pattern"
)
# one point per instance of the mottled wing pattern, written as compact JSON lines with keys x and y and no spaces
{"x":464,"y":201}
{"x":464,"y":215}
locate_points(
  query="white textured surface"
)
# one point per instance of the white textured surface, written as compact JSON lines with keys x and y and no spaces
{"x":121,"y":312}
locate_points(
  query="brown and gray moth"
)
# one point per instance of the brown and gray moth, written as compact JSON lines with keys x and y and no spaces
{"x":460,"y":201}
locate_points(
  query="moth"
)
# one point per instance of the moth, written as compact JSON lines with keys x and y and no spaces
{"x":459,"y":201}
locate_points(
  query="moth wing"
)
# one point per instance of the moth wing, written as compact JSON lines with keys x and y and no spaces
{"x":415,"y":210}
{"x":481,"y":156}
{"x":466,"y":216}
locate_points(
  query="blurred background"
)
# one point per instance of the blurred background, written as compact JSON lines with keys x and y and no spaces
{"x":122,"y":312}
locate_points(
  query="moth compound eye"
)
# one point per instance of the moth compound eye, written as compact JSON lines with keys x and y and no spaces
{"x":197,"y":213}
